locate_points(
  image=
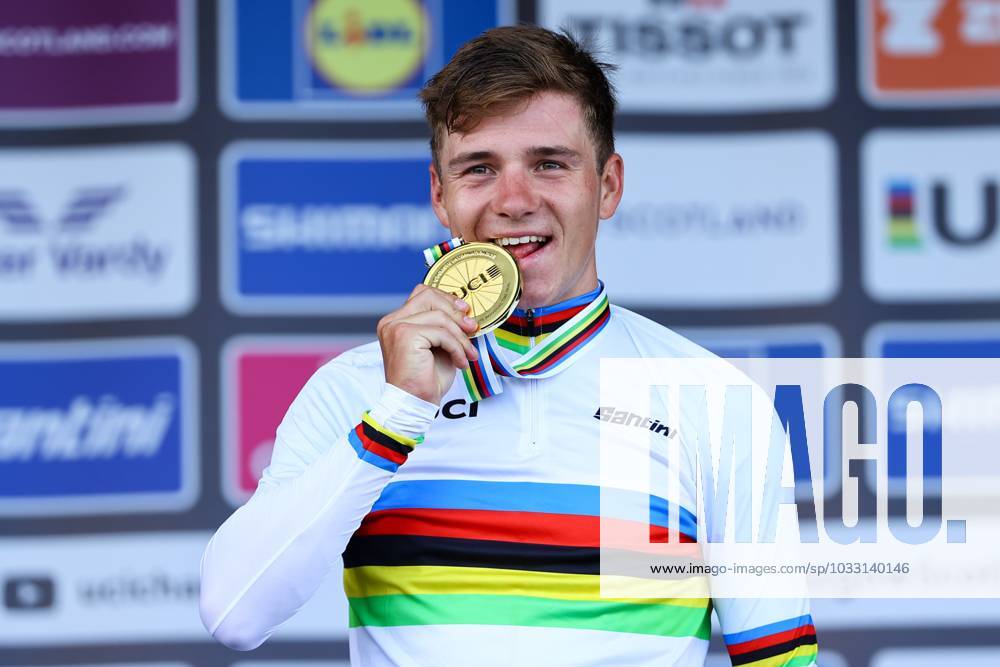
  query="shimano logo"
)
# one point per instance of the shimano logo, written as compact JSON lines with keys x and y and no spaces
{"x":286,"y":227}
{"x":69,"y":242}
{"x":626,"y":418}
{"x":86,"y":430}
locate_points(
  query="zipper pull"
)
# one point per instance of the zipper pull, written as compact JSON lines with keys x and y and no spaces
{"x":530,"y":316}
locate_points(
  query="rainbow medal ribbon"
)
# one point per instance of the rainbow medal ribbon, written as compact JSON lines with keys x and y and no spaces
{"x":486,"y":277}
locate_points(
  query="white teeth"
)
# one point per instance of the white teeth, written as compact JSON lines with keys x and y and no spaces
{"x":515,"y":240}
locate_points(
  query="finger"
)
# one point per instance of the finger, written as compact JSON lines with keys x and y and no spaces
{"x":424,"y":297}
{"x":432,"y":298}
{"x":444,"y":339}
{"x":439,"y":319}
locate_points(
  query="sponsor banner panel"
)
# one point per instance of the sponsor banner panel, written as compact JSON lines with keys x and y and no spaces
{"x":70,"y":63}
{"x":126,"y":588}
{"x":716,"y":56}
{"x":930,"y":52}
{"x":929,"y":656}
{"x":930,"y":214}
{"x":775,"y":342}
{"x":120,"y":664}
{"x":726,"y":220}
{"x":975,"y":407}
{"x":341,"y":58}
{"x":810,"y":341}
{"x":902,"y":613}
{"x":261,"y":377}
{"x":102,"y":427}
{"x":324,"y":228}
{"x":293,"y":663}
{"x":97,"y":232}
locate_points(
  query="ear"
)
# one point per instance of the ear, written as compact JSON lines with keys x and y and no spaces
{"x":437,"y":197}
{"x":612,"y":185}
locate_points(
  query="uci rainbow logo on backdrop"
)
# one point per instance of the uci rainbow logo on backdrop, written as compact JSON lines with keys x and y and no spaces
{"x":366,"y":48}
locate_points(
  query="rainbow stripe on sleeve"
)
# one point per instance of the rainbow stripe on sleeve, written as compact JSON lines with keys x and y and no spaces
{"x":789,"y":643}
{"x":377,"y":445}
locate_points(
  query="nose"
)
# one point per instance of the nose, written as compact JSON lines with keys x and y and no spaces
{"x":515,"y":196}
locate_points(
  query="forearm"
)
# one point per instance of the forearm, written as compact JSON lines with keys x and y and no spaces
{"x":272,"y":554}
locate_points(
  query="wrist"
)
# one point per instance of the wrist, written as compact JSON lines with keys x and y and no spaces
{"x":401,"y":412}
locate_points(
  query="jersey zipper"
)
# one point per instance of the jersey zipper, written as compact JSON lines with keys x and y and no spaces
{"x":532,"y":400}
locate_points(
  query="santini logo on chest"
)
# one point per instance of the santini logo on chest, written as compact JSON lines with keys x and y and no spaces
{"x":626,"y":418}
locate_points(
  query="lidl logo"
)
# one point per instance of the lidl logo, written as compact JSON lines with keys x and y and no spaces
{"x":362,"y":59}
{"x":367,"y":47}
{"x":933,"y":50}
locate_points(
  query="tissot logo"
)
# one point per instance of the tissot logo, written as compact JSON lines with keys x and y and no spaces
{"x":28,"y":593}
{"x":738,"y":37}
{"x":715,"y":55}
{"x":458,"y":408}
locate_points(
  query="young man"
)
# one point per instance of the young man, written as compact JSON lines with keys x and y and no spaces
{"x":472,"y":537}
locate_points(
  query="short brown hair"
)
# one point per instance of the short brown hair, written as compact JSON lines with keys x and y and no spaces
{"x":508,"y":65}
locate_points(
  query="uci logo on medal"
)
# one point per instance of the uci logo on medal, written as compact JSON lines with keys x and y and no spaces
{"x":364,"y":47}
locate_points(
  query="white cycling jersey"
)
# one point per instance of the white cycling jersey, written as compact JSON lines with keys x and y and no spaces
{"x":480,"y":543}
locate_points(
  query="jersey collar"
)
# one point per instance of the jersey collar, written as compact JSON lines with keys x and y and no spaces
{"x":538,"y":322}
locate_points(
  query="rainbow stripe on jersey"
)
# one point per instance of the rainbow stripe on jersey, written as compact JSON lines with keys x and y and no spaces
{"x":440,"y":552}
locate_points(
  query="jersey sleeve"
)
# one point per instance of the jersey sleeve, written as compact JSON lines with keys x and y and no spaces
{"x":331,"y":461}
{"x":766,"y":632}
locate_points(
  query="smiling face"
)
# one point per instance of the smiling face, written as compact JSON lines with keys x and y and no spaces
{"x":527,"y":179}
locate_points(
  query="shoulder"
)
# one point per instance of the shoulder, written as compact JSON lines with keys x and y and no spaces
{"x":361,"y":365}
{"x":361,"y":359}
{"x":654,"y":339}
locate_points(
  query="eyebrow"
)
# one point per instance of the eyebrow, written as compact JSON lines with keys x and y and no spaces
{"x":535,"y":151}
{"x":472,"y":156}
{"x":553,"y":151}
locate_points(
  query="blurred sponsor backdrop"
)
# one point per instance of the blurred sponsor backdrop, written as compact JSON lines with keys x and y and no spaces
{"x":201,"y":202}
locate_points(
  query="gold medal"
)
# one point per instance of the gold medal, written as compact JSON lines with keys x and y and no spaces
{"x":485,"y":276}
